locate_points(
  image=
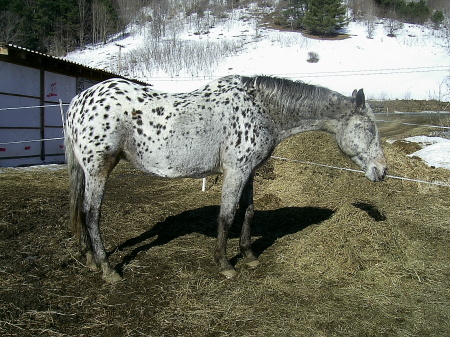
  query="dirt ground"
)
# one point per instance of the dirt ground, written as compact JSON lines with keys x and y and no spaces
{"x":340,"y":255}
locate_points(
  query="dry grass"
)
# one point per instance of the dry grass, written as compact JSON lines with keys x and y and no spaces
{"x":341,"y":256}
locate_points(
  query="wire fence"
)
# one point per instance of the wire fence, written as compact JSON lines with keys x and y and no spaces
{"x":437,"y":183}
{"x":274,"y":157}
{"x":34,"y":107}
{"x":362,"y":72}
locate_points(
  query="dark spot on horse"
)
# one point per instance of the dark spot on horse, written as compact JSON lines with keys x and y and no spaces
{"x":140,"y":99}
{"x":107,"y":107}
{"x":128,"y":98}
{"x":207,"y":94}
{"x":101,"y":101}
{"x":105,"y":116}
{"x":238,"y":142}
{"x":94,"y":108}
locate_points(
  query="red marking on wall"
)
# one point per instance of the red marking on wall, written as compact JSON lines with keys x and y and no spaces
{"x":53,"y":92}
{"x":27,"y":147}
{"x":2,"y":149}
{"x":61,"y":146}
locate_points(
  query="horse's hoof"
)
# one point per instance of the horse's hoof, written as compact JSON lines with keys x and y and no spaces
{"x":112,"y":277}
{"x":90,"y":262}
{"x":252,"y":264}
{"x":228,"y":273}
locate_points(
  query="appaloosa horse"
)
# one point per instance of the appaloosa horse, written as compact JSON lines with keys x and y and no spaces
{"x":230,"y":126}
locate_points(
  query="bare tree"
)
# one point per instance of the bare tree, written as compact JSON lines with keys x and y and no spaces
{"x":102,"y":22}
{"x":370,"y":17}
{"x":392,"y":26}
{"x":83,"y":17}
{"x":443,"y":5}
{"x":129,"y":10}
{"x":8,"y":27}
{"x":160,"y":13}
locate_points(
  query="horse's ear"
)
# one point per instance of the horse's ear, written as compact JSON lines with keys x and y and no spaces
{"x":354,"y":93}
{"x":360,"y":99}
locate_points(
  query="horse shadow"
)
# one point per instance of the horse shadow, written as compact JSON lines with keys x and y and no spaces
{"x":267,"y":227}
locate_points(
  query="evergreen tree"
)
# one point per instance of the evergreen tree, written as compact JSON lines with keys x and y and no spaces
{"x":295,"y":13}
{"x":325,"y":16}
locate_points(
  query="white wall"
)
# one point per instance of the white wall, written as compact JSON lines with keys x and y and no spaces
{"x":21,"y":87}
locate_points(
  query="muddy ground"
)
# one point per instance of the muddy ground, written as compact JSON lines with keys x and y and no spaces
{"x":340,"y":256}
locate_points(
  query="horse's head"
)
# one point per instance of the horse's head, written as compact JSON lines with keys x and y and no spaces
{"x":357,"y":136}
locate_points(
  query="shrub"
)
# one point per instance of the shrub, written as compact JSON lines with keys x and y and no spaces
{"x":437,"y":18}
{"x":313,"y":57}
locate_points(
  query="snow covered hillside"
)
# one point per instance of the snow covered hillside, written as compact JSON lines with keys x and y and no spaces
{"x":413,"y":65}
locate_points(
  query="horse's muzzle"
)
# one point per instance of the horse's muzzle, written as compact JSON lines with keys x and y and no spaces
{"x":377,"y":172}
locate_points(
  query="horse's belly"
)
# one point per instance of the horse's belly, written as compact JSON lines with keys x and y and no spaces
{"x":175,"y":164}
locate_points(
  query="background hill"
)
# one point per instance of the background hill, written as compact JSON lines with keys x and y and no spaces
{"x":393,"y":48}
{"x":192,"y":46}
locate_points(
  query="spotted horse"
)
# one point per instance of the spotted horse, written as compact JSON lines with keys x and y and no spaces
{"x":230,"y":126}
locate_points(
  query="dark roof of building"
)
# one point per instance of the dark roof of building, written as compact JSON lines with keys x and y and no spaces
{"x":30,"y":58}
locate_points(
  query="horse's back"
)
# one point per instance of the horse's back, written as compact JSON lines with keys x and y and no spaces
{"x":160,"y":133}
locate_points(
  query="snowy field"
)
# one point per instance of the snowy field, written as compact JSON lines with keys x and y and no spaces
{"x":413,"y":65}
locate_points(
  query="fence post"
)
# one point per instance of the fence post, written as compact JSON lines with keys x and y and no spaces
{"x":42,"y":112}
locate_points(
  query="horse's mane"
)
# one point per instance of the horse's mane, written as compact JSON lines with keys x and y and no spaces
{"x":288,"y":93}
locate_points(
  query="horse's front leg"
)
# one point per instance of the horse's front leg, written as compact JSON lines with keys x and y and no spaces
{"x":231,"y":191}
{"x":246,"y":207}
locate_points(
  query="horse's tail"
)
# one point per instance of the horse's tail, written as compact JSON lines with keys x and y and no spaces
{"x":76,"y":190}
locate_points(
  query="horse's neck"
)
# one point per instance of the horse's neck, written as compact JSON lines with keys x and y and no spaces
{"x":308,"y":124}
{"x":292,"y":118}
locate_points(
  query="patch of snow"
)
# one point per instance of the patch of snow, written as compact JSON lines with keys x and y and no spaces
{"x":426,"y":140}
{"x":436,"y":151}
{"x":437,"y":155}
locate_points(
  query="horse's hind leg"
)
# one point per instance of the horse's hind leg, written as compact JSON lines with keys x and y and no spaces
{"x":86,"y":249}
{"x":247,"y":209}
{"x":94,"y":191}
